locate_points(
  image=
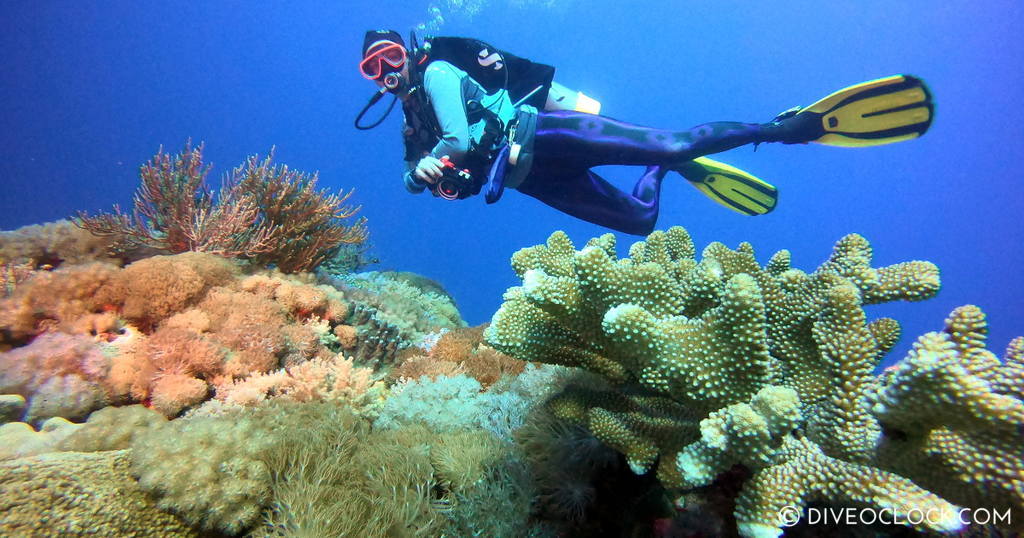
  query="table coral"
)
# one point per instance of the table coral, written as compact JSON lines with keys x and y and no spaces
{"x":713,"y":334}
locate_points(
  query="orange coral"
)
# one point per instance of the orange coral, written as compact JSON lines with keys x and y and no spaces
{"x":460,"y":351}
{"x":346,"y":336}
{"x":180,"y":351}
{"x":456,"y":344}
{"x":174,"y":392}
{"x":300,"y":299}
{"x":56,"y":299}
{"x":423,"y":365}
{"x":199,"y":323}
{"x":155,"y":288}
{"x":487,"y":365}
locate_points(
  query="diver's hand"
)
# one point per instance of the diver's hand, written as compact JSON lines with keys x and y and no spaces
{"x":429,"y":169}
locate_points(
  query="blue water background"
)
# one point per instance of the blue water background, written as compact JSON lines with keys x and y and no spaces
{"x":90,"y":90}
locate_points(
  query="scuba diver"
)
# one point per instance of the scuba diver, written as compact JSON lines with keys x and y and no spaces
{"x":478,"y":117}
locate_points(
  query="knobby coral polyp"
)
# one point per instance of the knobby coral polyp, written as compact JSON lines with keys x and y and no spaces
{"x":265,"y":213}
{"x":717,"y":361}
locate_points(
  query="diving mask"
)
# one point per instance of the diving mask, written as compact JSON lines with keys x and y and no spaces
{"x":394,"y":55}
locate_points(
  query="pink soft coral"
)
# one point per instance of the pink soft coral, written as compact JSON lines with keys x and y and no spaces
{"x":58,"y":374}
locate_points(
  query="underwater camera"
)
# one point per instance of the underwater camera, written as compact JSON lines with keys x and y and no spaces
{"x":455,"y":183}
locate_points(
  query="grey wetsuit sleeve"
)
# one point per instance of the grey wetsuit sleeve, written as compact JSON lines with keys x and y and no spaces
{"x":443,"y":85}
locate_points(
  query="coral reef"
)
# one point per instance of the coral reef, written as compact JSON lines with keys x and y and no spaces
{"x":348,"y":258}
{"x":952,"y":415}
{"x":337,"y":379}
{"x":111,"y":428}
{"x":775,"y":363}
{"x":79,"y":494}
{"x":53,"y":244}
{"x":317,"y":469}
{"x":447,"y":404}
{"x":164,"y":331}
{"x":58,"y":374}
{"x":266,"y":213}
{"x":411,"y":306}
{"x":460,"y":351}
{"x":20,"y":439}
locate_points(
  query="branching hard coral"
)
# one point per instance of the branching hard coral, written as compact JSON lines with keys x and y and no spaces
{"x":953,"y":416}
{"x":748,"y":434}
{"x":709,"y":336}
{"x":807,"y":475}
{"x":636,"y":422}
{"x":677,"y":326}
{"x":266,"y":213}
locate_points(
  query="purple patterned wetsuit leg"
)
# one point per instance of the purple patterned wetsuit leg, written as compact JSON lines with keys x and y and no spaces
{"x":568,"y":144}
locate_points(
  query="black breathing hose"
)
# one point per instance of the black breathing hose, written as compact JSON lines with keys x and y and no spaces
{"x":373,"y":100}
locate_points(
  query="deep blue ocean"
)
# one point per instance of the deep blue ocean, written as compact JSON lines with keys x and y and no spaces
{"x":90,"y":90}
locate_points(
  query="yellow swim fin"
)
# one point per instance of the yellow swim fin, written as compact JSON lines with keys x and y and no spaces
{"x":872,"y":113}
{"x":730,"y":186}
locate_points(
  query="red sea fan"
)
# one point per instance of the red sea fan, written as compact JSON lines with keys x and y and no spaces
{"x":265,"y":213}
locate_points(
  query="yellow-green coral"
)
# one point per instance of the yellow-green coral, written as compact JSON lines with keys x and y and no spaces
{"x":806,"y":475}
{"x":679,"y":326}
{"x":955,"y":416}
{"x":708,"y":335}
{"x":740,"y":433}
{"x":635,"y":422}
{"x":80,"y":494}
